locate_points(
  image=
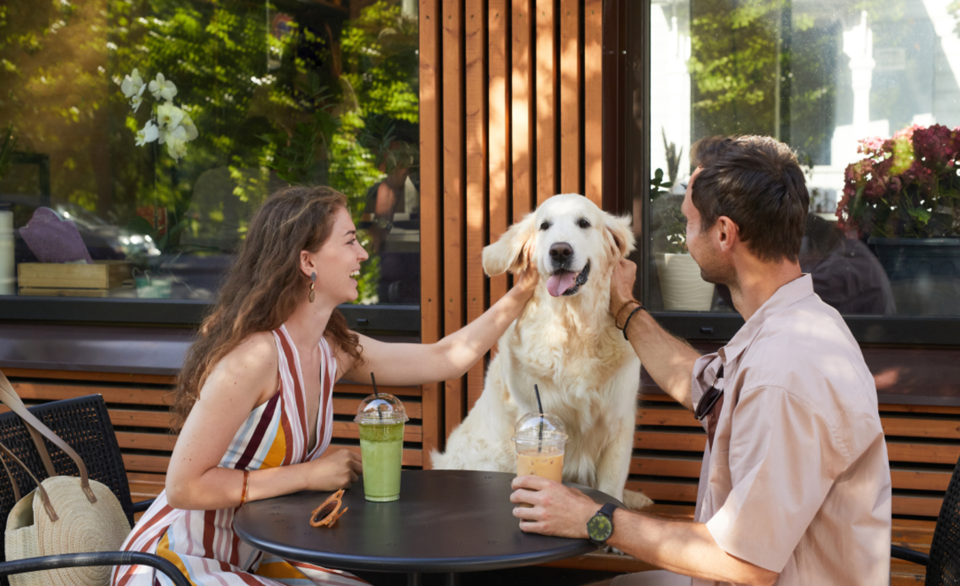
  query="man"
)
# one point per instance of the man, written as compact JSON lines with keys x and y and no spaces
{"x":795,"y":483}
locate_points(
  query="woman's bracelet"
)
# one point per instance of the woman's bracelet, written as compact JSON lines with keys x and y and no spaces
{"x":616,"y":316}
{"x":629,"y":317}
{"x":246,"y":487}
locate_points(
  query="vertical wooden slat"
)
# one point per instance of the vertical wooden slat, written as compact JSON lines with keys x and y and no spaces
{"x":522,"y":108}
{"x":498,"y":13}
{"x":546,"y":100}
{"x":570,"y":107}
{"x":431,"y":321}
{"x":593,"y":100}
{"x":453,"y":193}
{"x":475,"y":53}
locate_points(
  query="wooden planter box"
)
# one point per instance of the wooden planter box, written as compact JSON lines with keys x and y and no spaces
{"x":72,"y":280}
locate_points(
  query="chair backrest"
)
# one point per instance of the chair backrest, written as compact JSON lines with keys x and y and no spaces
{"x":944,"y":566}
{"x":85,"y":425}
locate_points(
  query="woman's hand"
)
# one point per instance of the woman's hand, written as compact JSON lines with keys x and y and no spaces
{"x":333,"y":471}
{"x":525,"y":283}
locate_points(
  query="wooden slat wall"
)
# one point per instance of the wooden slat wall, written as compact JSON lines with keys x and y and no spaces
{"x":507,"y":83}
{"x":139,"y":411}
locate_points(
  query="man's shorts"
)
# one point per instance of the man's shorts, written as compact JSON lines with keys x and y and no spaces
{"x":655,"y":578}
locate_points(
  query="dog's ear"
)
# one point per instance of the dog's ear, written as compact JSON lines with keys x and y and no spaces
{"x":514,"y":250}
{"x":620,"y":234}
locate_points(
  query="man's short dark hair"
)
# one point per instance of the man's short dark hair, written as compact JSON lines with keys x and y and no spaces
{"x":757,"y":182}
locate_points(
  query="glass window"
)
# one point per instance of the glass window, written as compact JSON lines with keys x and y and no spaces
{"x":868,"y":96}
{"x":140,"y":135}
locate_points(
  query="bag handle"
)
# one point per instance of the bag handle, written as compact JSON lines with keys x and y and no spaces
{"x":9,"y":397}
{"x":47,"y":505}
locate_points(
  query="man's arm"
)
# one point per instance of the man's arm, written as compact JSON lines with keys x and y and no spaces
{"x":679,"y":546}
{"x":668,"y":359}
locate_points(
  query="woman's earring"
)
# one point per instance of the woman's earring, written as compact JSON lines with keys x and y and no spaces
{"x":313,"y":280}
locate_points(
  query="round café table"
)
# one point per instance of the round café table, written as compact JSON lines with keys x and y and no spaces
{"x":446,"y":521}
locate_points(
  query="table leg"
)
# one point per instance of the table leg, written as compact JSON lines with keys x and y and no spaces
{"x":414,"y":579}
{"x":451,"y":579}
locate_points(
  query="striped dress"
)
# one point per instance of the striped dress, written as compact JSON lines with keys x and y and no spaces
{"x":202,"y":543}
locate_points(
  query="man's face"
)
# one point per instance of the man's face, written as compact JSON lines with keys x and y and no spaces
{"x":703,"y":245}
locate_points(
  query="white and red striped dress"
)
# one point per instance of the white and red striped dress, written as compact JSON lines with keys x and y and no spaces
{"x":202,"y":543}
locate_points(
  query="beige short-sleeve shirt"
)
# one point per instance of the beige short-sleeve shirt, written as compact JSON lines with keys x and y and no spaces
{"x":798,"y":480}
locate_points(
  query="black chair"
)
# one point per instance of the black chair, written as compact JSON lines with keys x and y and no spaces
{"x":85,"y":425}
{"x":943,"y":561}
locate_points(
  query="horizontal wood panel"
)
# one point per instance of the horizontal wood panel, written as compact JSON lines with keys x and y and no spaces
{"x":918,"y":479}
{"x":904,"y":425}
{"x":146,"y":441}
{"x":343,"y":406}
{"x":365,"y":390}
{"x":670,"y":440}
{"x":920,"y":506}
{"x":675,"y":466}
{"x":931,"y":453}
{"x":117,"y":377}
{"x":56,"y":392}
{"x":145,"y":463}
{"x":666,"y":491}
{"x":675,"y":417}
{"x":134,"y":418}
{"x":351,"y":430}
{"x":145,"y":486}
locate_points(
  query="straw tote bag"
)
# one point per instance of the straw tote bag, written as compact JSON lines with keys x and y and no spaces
{"x":64,"y":514}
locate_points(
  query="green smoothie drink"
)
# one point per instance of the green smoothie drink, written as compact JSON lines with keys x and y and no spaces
{"x":381,"y":418}
{"x":381,"y":447}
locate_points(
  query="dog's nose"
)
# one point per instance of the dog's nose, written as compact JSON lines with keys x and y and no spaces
{"x":560,"y":252}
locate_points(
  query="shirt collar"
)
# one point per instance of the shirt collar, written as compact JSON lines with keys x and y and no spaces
{"x":785,"y":296}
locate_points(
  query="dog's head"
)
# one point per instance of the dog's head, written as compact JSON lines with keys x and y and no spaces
{"x":567,"y":238}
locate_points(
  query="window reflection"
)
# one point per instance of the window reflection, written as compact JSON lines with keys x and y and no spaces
{"x":833,"y":80}
{"x":162,"y":174}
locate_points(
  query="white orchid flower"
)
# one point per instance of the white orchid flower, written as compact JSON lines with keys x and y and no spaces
{"x":168,"y":116}
{"x":190,"y":127}
{"x":135,"y":102}
{"x":148,"y":133}
{"x":176,"y":141}
{"x":163,"y":88}
{"x":132,"y":85}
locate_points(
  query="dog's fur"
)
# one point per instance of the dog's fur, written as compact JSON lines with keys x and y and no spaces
{"x":587,"y":373}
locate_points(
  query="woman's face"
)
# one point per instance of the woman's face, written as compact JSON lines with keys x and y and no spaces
{"x":338,"y":261}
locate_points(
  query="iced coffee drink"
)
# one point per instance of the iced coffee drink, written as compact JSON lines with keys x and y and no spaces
{"x":540,"y":440}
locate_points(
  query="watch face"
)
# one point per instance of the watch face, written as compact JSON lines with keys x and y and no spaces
{"x":599,"y":527}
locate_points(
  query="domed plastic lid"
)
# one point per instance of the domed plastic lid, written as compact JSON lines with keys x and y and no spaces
{"x":382,"y":408}
{"x":537,"y":428}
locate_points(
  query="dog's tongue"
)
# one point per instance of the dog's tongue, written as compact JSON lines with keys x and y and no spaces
{"x":560,"y":281}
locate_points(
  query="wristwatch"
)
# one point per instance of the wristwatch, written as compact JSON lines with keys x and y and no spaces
{"x":600,"y":526}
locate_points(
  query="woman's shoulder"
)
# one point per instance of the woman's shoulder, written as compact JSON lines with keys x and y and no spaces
{"x":255,"y":353}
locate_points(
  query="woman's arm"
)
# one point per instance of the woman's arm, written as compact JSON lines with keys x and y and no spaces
{"x":414,"y":364}
{"x":244,"y":379}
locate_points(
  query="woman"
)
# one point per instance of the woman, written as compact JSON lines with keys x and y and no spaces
{"x":253,"y":401}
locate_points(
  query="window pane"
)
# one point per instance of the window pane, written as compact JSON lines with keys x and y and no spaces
{"x":157,"y":127}
{"x":822,"y":77}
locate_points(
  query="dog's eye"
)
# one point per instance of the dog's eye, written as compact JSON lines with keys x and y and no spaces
{"x":583,"y":223}
{"x":545,"y":226}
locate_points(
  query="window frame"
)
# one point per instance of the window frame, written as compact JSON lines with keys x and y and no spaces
{"x":936,"y":331}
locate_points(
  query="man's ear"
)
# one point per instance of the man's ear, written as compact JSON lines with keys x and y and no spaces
{"x":728,"y":233}
{"x":619,"y":234}
{"x":514,"y":250}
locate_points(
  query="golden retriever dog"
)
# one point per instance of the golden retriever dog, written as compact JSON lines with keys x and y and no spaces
{"x":566,"y":343}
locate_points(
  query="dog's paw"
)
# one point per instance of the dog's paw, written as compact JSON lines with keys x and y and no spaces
{"x":636,"y":500}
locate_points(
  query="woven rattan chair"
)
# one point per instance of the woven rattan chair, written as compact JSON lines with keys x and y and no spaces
{"x":943,"y":562}
{"x":85,"y":425}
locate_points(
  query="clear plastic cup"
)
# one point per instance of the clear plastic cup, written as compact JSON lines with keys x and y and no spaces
{"x":381,"y":418}
{"x":540,"y":440}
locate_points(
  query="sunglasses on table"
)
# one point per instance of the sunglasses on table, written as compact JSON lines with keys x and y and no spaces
{"x":327,"y":513}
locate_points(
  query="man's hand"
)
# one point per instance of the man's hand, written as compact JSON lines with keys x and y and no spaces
{"x":621,"y":284}
{"x":557,"y":510}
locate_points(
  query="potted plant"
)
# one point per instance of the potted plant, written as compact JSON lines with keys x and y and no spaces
{"x":681,"y":286}
{"x":903,"y":199}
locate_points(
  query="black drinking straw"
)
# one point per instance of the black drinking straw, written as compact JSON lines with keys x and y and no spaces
{"x":540,"y":407}
{"x":376,"y":394}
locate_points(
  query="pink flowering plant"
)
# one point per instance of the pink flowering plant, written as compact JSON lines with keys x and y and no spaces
{"x":907,"y":186}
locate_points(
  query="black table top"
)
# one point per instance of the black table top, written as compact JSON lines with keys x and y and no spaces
{"x":445,"y":521}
